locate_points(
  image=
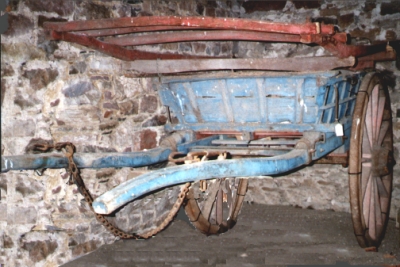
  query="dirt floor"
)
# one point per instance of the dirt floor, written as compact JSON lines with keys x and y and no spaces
{"x":264,"y":235}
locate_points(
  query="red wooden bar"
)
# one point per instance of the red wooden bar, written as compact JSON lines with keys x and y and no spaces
{"x":344,"y":50}
{"x":115,"y":50}
{"x":158,"y":38}
{"x":183,"y":29}
{"x":118,"y":31}
{"x":192,"y":22}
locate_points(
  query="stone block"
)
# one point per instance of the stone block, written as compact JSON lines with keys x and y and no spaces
{"x":126,"y":87}
{"x":111,"y":105}
{"x":46,"y":45}
{"x":157,"y":120}
{"x":105,"y":173}
{"x":42,"y":19}
{"x":346,"y":20}
{"x":55,"y":103}
{"x":330,"y":12}
{"x":78,"y":68}
{"x":104,"y":84}
{"x":210,"y":12}
{"x":77,"y":89}
{"x":189,"y":6}
{"x":60,"y":122}
{"x":216,"y":49}
{"x":148,"y":139}
{"x":170,"y":46}
{"x":369,"y":6}
{"x":200,"y":9}
{"x":25,"y":101}
{"x":22,"y":215}
{"x":39,"y":78}
{"x":146,"y":9}
{"x":199,"y":47}
{"x":7,"y":242}
{"x":7,"y":70}
{"x":129,"y":107}
{"x":84,"y":248}
{"x":185,"y":47}
{"x":19,"y":128}
{"x":307,"y":4}
{"x":109,"y":125}
{"x":62,"y":8}
{"x":12,"y":5}
{"x":253,"y":6}
{"x":107,"y":114}
{"x":39,"y":250}
{"x":108,"y":95}
{"x":18,"y":24}
{"x":95,"y":10}
{"x":390,"y":35}
{"x":3,"y":212}
{"x":211,"y":3}
{"x":28,"y":186}
{"x":389,"y":8}
{"x":140,"y":118}
{"x":21,"y":52}
{"x":222,"y":13}
{"x":213,"y":49}
{"x":122,"y":10}
{"x":148,"y":103}
{"x":56,"y":190}
{"x":82,"y":92}
{"x":226,"y":48}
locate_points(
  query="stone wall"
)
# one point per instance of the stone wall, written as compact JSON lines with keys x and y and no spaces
{"x":49,"y":92}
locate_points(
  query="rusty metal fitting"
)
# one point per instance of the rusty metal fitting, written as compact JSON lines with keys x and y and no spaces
{"x":42,"y":147}
{"x":207,"y":154}
{"x":172,"y":158}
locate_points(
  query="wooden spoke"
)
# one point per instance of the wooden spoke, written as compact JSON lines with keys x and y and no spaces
{"x":369,"y":126}
{"x":384,"y":128}
{"x":373,"y":107}
{"x":377,"y":207}
{"x":383,"y":193}
{"x":364,"y":182}
{"x":218,"y":209}
{"x":367,"y":148}
{"x":371,"y":210}
{"x":367,"y":202}
{"x":381,"y":106}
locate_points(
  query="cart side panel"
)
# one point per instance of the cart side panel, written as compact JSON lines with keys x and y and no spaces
{"x":288,"y":102}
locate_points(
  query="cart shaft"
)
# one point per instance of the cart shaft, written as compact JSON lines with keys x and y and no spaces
{"x":85,"y":160}
{"x":247,"y":167}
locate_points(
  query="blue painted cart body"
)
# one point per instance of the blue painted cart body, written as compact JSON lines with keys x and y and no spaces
{"x":293,"y":116}
{"x":309,"y":104}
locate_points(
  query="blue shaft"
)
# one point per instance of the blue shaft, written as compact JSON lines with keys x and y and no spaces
{"x":86,"y":160}
{"x":128,"y":191}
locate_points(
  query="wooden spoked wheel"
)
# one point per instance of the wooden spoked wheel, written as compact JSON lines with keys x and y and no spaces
{"x":371,"y":162}
{"x":213,"y":206}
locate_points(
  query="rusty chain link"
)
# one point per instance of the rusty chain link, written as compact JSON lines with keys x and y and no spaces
{"x":75,"y":178}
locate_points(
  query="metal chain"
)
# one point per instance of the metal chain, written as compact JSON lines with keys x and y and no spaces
{"x":75,"y":178}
